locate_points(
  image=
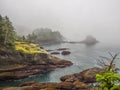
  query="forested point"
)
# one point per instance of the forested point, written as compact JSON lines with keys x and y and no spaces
{"x":45,"y":36}
{"x":8,"y":36}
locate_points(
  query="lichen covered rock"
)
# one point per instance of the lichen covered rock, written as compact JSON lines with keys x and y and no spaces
{"x":29,"y":48}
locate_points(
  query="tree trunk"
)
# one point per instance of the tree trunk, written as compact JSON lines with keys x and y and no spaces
{"x":6,"y":35}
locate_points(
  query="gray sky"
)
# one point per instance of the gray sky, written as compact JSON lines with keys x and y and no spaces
{"x":73,"y":18}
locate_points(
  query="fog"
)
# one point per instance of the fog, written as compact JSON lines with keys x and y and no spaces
{"x":73,"y":18}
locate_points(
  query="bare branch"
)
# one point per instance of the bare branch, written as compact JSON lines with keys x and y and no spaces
{"x":110,"y":54}
{"x":108,"y":66}
{"x":111,"y":63}
{"x":105,"y":57}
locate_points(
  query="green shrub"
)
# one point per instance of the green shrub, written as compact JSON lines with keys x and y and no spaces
{"x":108,"y":79}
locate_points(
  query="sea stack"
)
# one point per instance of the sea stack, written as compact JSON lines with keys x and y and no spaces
{"x":89,"y":40}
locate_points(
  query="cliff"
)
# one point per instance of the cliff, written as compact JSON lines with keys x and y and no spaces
{"x":26,"y":60}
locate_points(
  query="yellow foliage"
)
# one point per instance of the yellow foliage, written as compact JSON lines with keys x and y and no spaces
{"x":29,"y":48}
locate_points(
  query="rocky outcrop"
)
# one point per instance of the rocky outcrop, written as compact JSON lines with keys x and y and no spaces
{"x":51,"y":86}
{"x":14,"y":65}
{"x":61,"y":49}
{"x":55,"y":52}
{"x":87,"y":76}
{"x":89,"y":40}
{"x":65,"y":52}
{"x":77,"y":81}
{"x":80,"y":85}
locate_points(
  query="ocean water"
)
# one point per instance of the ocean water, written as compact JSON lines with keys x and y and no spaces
{"x":82,"y":56}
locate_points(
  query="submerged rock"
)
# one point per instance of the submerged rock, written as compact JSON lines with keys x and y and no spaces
{"x":61,"y":49}
{"x":55,"y":52}
{"x":65,"y":52}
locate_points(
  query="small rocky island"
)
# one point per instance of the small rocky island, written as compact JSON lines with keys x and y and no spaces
{"x":89,"y":40}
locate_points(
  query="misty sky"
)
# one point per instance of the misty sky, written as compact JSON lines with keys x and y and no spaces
{"x":73,"y":18}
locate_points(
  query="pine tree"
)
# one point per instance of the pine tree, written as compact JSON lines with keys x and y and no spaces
{"x":2,"y":33}
{"x":7,"y":33}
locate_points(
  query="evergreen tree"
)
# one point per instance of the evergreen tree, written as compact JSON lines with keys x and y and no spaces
{"x":2,"y":33}
{"x":7,"y":33}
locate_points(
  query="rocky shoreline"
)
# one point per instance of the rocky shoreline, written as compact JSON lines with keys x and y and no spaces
{"x":29,"y":70}
{"x":77,"y":81}
{"x":16,"y":65}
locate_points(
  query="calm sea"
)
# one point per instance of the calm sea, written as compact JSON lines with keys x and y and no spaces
{"x":82,"y":56}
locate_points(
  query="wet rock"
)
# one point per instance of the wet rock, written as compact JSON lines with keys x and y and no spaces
{"x":12,"y":88}
{"x":61,"y":49}
{"x":49,"y":50}
{"x":55,"y":52}
{"x":32,"y":64}
{"x":28,"y":83}
{"x":65,"y":86}
{"x":77,"y":81}
{"x":77,"y":85}
{"x":65,"y":52}
{"x":87,"y":76}
{"x":68,"y":78}
{"x":80,"y":85}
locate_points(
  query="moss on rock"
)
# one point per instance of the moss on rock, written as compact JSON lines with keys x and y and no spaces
{"x":29,"y":48}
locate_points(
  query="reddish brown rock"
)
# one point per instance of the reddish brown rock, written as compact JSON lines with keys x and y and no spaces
{"x":68,"y":78}
{"x":80,"y":85}
{"x":87,"y":76}
{"x":34,"y":64}
{"x":65,"y":86}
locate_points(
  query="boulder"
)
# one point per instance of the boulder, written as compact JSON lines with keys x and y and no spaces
{"x":65,"y":52}
{"x":55,"y":52}
{"x":87,"y":76}
{"x":68,"y":78}
{"x":49,"y":50}
{"x":61,"y":49}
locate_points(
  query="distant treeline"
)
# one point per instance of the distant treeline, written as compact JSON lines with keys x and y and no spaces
{"x":45,"y":36}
